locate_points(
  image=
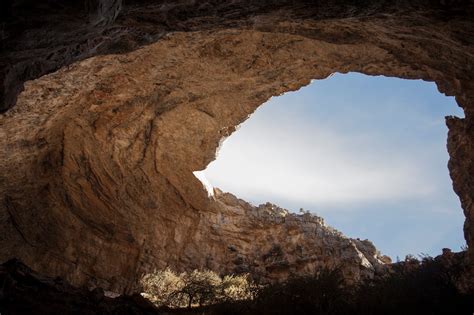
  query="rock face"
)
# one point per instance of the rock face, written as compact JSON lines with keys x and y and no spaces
{"x":97,"y":158}
{"x":272,"y":244}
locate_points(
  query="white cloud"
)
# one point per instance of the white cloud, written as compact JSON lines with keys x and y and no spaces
{"x":279,"y":155}
{"x":317,"y":166}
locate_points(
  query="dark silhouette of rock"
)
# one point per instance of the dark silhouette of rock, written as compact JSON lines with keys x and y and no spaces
{"x":23,"y":291}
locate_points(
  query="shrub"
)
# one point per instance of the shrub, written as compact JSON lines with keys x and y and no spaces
{"x":196,"y":288}
{"x":321,"y":293}
{"x":237,"y":288}
{"x":160,"y":287}
{"x":200,"y":287}
{"x":414,"y":286}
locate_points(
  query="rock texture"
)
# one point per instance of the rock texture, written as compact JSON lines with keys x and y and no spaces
{"x":271,"y":244}
{"x":97,"y":158}
{"x":38,"y":37}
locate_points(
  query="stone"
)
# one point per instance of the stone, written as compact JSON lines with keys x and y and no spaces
{"x":97,"y":157}
{"x":24,"y":291}
{"x":279,"y":244}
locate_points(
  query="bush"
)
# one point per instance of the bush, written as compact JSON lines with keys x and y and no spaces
{"x":426,"y":286}
{"x":322,"y":293}
{"x":414,"y":286}
{"x":160,"y":287}
{"x":237,"y":288}
{"x":196,"y":288}
{"x":200,"y":287}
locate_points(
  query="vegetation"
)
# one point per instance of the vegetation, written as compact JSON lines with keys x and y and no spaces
{"x":196,"y":288}
{"x":414,"y":286}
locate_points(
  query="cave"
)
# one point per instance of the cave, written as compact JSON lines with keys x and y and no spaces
{"x":110,"y":106}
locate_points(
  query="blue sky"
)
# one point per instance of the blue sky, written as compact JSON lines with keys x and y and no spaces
{"x":366,"y":153}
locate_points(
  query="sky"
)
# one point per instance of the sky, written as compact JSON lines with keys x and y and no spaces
{"x":366,"y":153}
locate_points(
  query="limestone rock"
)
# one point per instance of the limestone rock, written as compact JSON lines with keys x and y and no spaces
{"x":97,"y":158}
{"x":271,"y":243}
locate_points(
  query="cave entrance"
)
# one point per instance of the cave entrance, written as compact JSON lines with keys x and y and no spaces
{"x":366,"y":153}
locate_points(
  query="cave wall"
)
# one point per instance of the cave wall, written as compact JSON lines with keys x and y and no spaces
{"x":97,"y":158}
{"x":38,"y":37}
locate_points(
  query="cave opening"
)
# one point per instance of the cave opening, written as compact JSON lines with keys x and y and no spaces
{"x":366,"y":153}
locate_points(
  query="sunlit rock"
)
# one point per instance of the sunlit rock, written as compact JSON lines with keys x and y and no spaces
{"x":97,"y":158}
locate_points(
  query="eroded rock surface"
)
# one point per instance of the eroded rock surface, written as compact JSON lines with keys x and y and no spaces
{"x":97,"y":159}
{"x":271,"y":244}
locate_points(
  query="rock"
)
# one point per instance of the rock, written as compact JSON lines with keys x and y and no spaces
{"x":23,"y":291}
{"x":103,"y":12}
{"x":279,"y":244}
{"x":97,"y":158}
